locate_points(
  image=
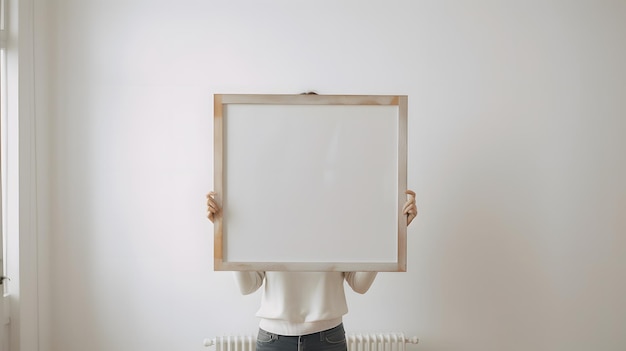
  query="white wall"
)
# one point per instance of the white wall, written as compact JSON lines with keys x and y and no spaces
{"x":517,"y":115}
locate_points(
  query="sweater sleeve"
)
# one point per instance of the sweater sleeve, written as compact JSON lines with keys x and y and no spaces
{"x":248,"y":282}
{"x":360,"y":281}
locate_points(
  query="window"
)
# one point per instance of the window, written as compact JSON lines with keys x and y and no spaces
{"x":2,"y":147}
{"x":4,"y":311}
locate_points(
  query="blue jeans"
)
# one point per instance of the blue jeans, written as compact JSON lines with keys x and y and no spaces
{"x":333,"y":339}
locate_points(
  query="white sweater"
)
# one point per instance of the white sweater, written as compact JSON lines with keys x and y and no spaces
{"x":300,"y":303}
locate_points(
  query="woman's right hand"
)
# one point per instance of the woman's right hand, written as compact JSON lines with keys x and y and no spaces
{"x":212,"y":207}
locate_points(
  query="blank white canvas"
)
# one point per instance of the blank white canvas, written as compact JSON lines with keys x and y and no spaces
{"x":310,"y":183}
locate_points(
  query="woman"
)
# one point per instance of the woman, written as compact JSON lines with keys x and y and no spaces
{"x":302,"y":311}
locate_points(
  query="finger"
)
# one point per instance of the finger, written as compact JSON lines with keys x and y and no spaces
{"x":210,"y":196}
{"x":213,"y":209}
{"x":210,"y":200}
{"x":410,"y":197}
{"x":212,"y":205}
{"x":211,"y":213}
{"x":410,"y":210}
{"x":405,"y":208}
{"x":408,"y":205}
{"x":410,"y":218}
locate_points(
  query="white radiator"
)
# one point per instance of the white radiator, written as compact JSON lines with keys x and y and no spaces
{"x":356,"y":342}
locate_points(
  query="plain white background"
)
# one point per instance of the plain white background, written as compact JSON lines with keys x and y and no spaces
{"x":517,"y":116}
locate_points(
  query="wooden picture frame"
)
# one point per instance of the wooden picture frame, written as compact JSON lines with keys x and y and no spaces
{"x":310,"y":182}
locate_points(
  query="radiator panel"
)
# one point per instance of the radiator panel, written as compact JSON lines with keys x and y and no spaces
{"x":392,"y":341}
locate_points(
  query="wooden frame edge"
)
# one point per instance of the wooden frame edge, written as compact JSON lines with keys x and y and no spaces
{"x":402,"y":180}
{"x":218,"y":179}
{"x":309,"y":266}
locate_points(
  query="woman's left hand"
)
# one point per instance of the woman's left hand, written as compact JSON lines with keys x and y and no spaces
{"x":410,"y":208}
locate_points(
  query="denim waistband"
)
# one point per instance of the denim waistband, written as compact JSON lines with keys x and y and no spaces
{"x":318,"y":335}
